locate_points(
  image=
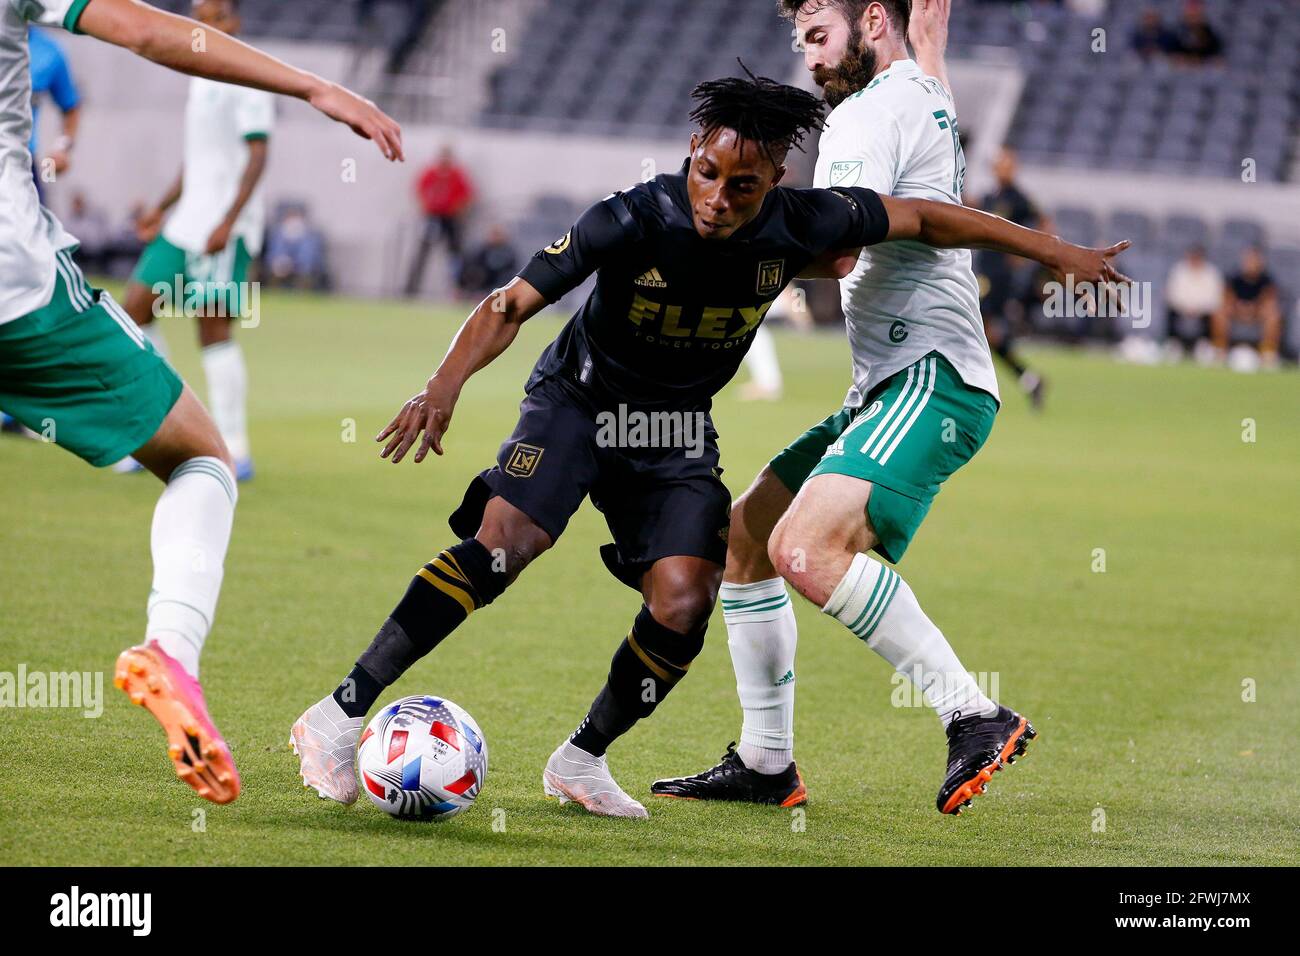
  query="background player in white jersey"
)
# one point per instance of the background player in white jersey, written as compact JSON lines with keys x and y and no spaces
{"x":922,"y":402}
{"x":213,"y":232}
{"x":74,"y":367}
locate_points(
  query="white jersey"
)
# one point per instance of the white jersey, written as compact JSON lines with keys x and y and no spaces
{"x":220,"y":120}
{"x":30,"y":235}
{"x":905,"y":299}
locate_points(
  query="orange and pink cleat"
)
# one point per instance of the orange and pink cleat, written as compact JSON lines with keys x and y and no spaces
{"x":152,"y":679}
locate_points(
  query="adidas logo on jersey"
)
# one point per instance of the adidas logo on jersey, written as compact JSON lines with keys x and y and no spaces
{"x":652,"y":279}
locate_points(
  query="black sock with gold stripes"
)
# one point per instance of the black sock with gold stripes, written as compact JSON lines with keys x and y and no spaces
{"x":443,"y":593}
{"x":646,"y":666}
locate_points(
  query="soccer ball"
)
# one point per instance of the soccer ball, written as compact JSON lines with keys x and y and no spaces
{"x":422,"y":758}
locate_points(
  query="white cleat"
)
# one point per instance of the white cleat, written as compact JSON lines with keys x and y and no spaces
{"x":575,"y":775}
{"x":325,"y":740}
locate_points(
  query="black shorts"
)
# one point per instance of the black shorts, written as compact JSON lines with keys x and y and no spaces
{"x":658,"y":502}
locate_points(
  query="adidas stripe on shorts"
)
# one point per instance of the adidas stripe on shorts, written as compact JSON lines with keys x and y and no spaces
{"x":914,"y":430}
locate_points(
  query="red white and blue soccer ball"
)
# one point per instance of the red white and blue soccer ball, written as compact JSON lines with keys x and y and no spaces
{"x":422,"y":758}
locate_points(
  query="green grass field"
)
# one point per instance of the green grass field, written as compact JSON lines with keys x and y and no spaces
{"x":1134,"y":677}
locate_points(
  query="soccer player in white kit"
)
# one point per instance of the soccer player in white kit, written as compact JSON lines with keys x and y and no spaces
{"x":215,"y":229}
{"x":75,"y":368}
{"x":922,"y":402}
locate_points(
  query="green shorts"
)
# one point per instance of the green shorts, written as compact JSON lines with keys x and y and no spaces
{"x":914,"y":430}
{"x":81,"y":373}
{"x":193,"y":281}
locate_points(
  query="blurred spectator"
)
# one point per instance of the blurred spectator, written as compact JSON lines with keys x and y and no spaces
{"x":90,"y":226}
{"x":445,"y":192}
{"x":50,"y":75}
{"x":1194,"y":293}
{"x":490,"y":266}
{"x":1006,"y":283}
{"x":1251,"y":312}
{"x":1196,"y":41}
{"x":417,"y":17}
{"x":1150,"y":38}
{"x":295,"y":251}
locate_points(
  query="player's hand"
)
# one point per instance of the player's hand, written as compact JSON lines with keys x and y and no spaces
{"x":147,"y":226}
{"x":366,"y":119}
{"x":219,"y":239}
{"x":61,"y":160}
{"x":927,"y":25}
{"x":428,"y":412}
{"x":1094,"y":266}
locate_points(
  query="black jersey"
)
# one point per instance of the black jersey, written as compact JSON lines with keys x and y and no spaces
{"x":997,"y":268}
{"x":673,"y":314}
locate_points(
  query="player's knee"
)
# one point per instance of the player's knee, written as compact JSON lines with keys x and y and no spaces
{"x":683,"y":613}
{"x":512,"y":538}
{"x":784,"y":549}
{"x":796,"y":550}
{"x":683,"y":602}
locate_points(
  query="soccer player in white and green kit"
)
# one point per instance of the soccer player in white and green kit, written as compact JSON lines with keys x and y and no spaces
{"x":922,"y":402}
{"x":214,"y":230}
{"x":75,"y":368}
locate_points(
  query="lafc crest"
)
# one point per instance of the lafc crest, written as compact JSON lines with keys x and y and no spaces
{"x":523,"y":460}
{"x":770,"y":276}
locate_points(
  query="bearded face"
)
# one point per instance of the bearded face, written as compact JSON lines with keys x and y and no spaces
{"x":851,"y":74}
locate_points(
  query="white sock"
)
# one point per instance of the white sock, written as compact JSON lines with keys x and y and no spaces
{"x":191,"y":529}
{"x":223,"y":364}
{"x":761,"y":635}
{"x":762,"y":361}
{"x":153,"y":332}
{"x":877,"y":605}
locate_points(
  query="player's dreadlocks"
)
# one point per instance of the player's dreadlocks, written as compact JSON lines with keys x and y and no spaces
{"x":772,"y":114}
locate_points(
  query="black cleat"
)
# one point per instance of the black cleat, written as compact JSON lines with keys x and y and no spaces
{"x":732,"y":780}
{"x":1035,"y":389}
{"x":977,"y":748}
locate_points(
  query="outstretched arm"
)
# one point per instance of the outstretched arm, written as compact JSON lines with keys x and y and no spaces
{"x":949,"y":226}
{"x":927,"y":31}
{"x":486,"y":334}
{"x":172,"y":41}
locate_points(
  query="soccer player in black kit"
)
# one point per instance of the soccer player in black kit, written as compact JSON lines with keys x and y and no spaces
{"x":687,"y":265}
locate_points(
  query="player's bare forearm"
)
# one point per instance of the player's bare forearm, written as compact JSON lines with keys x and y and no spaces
{"x":61,"y":153}
{"x":927,"y":31}
{"x":257,"y":153}
{"x":173,"y":41}
{"x":488,"y":332}
{"x":71,"y":123}
{"x":173,"y":193}
{"x":949,"y":226}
